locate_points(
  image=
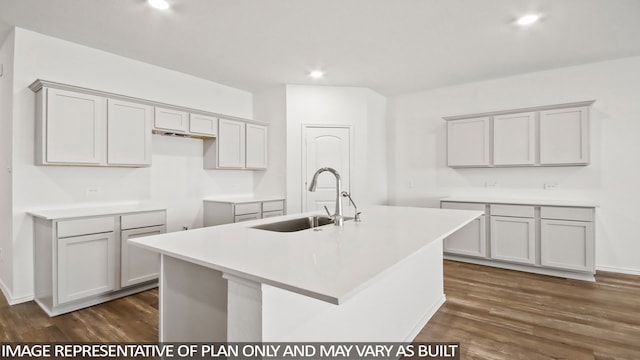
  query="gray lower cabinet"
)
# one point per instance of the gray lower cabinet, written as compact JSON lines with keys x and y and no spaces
{"x":531,"y":237}
{"x":567,"y":243}
{"x":218,"y":212}
{"x":85,"y":266}
{"x":513,"y":233}
{"x":471,"y":240}
{"x":513,"y":239}
{"x":81,"y":261}
{"x":138,"y":265}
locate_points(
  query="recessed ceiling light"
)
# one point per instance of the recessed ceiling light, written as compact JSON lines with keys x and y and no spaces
{"x":528,"y":19}
{"x":159,"y":4}
{"x":316,"y":74}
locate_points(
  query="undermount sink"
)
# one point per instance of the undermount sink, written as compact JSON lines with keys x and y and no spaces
{"x":307,"y":222}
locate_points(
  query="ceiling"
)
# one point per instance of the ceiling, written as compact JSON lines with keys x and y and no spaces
{"x":390,"y":46}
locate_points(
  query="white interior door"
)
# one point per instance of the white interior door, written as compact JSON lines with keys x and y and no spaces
{"x":325,"y":147}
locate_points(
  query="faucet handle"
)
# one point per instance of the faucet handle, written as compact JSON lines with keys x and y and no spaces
{"x":327,"y":210}
{"x":357,"y":217}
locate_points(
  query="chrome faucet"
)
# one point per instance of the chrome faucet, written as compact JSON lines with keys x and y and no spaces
{"x":356,"y":217}
{"x":338,"y":217}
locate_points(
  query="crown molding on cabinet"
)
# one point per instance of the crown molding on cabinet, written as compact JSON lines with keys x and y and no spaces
{"x":521,"y":110}
{"x":40,"y":83}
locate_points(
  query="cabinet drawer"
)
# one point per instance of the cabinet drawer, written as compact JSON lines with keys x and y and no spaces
{"x":250,"y":208}
{"x":97,"y":225}
{"x":463,"y":206}
{"x":512,"y":210}
{"x":247,"y":217}
{"x":268,"y":214}
{"x":142,"y":220}
{"x":566,"y":213}
{"x":273,"y":205}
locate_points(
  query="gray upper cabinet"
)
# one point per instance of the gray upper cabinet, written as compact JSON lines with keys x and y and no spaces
{"x":64,"y":115}
{"x":468,"y":142}
{"x":203,"y":125}
{"x":85,"y":127}
{"x":129,"y":133}
{"x":172,"y":120}
{"x":553,"y":135}
{"x":239,"y":145}
{"x":256,"y":146}
{"x":514,"y":139}
{"x":77,"y":126}
{"x":564,"y":136}
{"x":231,"y":144}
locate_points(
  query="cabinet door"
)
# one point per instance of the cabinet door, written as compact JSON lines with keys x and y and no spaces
{"x":231,"y":144}
{"x":171,"y":120}
{"x":138,"y":265}
{"x":202,"y":124}
{"x":129,"y":133}
{"x":86,"y":266}
{"x":468,"y":142}
{"x":513,"y":239}
{"x":514,"y":139}
{"x":256,"y":146}
{"x":470,"y":240}
{"x":564,"y":136}
{"x":75,"y":128}
{"x":567,"y":244}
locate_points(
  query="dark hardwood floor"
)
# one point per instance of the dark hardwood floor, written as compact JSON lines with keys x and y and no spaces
{"x":130,"y":319}
{"x":503,"y":314}
{"x":493,"y":313}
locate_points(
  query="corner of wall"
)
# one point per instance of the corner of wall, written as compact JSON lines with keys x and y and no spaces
{"x":7,"y":55}
{"x":269,"y":105}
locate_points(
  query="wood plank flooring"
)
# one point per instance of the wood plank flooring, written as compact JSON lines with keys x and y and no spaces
{"x":130,"y":319}
{"x":493,"y":313}
{"x":504,"y":314}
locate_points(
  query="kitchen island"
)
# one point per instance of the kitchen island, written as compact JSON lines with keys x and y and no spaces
{"x":376,"y":280}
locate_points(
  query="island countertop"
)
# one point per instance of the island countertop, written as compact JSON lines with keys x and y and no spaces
{"x":331,"y":264}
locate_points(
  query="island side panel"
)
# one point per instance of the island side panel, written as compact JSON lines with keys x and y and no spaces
{"x":244,"y":310}
{"x":193,"y":302}
{"x":393,"y":308}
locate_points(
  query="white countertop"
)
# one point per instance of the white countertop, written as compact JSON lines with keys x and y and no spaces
{"x":521,"y":201}
{"x":68,"y":213}
{"x":330,"y":265}
{"x":244,"y":199}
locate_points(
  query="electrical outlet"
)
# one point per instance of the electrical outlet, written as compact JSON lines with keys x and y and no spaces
{"x":93,"y":191}
{"x":550,"y":186}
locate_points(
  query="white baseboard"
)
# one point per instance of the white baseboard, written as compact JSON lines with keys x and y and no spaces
{"x":584,"y":276}
{"x":21,"y":299}
{"x":425,"y":319}
{"x":618,"y":270}
{"x":6,"y":292}
{"x":9,"y":296}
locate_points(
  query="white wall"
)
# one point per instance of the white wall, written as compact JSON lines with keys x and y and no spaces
{"x":270,"y":106}
{"x":418,"y":174}
{"x":361,"y":108}
{"x":6,"y":110}
{"x":176,"y":178}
